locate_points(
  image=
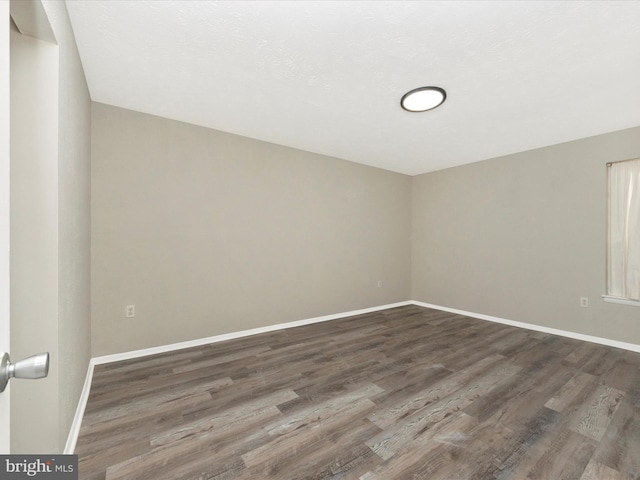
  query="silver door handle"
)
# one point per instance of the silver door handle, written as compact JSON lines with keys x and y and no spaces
{"x":33,"y":367}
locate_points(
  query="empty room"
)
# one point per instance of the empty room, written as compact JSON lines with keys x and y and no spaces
{"x":321,"y":239}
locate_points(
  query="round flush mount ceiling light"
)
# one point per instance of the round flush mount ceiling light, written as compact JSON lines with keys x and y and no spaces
{"x":423,"y":99}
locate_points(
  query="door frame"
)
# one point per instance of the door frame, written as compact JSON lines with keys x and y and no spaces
{"x":5,"y":417}
{"x":30,"y":19}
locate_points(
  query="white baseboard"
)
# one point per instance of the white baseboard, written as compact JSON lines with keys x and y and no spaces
{"x":72,"y":439}
{"x":118,"y":357}
{"x":538,"y":328}
{"x":84,"y":397}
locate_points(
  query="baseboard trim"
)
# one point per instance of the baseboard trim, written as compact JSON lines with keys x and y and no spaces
{"x":118,"y":357}
{"x":74,"y":431}
{"x":84,"y":397}
{"x":538,"y":328}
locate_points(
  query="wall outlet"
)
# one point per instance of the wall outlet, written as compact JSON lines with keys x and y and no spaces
{"x":584,"y":301}
{"x":130,"y":311}
{"x":379,"y":283}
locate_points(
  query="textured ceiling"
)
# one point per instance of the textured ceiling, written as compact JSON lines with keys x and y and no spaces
{"x":327,"y":76}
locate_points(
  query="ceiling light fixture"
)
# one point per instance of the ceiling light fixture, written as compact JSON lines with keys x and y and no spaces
{"x":423,"y":99}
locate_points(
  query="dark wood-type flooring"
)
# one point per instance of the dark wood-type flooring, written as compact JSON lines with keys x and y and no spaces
{"x":405,"y":393}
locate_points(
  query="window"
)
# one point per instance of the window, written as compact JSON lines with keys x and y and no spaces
{"x":623,"y":243}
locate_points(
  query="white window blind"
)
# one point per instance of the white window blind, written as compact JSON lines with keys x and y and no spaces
{"x":623,"y":256}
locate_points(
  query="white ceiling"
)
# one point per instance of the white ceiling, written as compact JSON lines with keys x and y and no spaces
{"x":327,"y":76}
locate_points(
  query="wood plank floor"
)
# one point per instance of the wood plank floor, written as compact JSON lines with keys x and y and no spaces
{"x":405,"y":393}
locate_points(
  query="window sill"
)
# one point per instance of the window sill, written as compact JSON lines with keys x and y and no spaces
{"x":622,"y":301}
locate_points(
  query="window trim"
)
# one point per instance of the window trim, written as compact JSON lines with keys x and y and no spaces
{"x":607,"y":297}
{"x":620,"y":300}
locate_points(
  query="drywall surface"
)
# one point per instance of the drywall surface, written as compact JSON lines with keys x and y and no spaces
{"x":74,"y":219}
{"x":523,"y":237}
{"x":34,"y":238}
{"x":50,"y":231}
{"x":209,"y":233}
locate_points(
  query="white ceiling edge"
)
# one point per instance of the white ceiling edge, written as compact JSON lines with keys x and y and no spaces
{"x":327,"y":77}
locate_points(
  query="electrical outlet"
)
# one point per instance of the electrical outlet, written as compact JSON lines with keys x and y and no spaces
{"x":130,"y":311}
{"x":379,"y":283}
{"x":584,"y":301}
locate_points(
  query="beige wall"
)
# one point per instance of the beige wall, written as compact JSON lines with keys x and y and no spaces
{"x":74,"y":219}
{"x":208,"y":233}
{"x":34,"y":238}
{"x":522,"y":237}
{"x":50,"y":231}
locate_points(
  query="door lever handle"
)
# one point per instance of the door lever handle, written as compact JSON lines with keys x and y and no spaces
{"x":36,"y":366}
